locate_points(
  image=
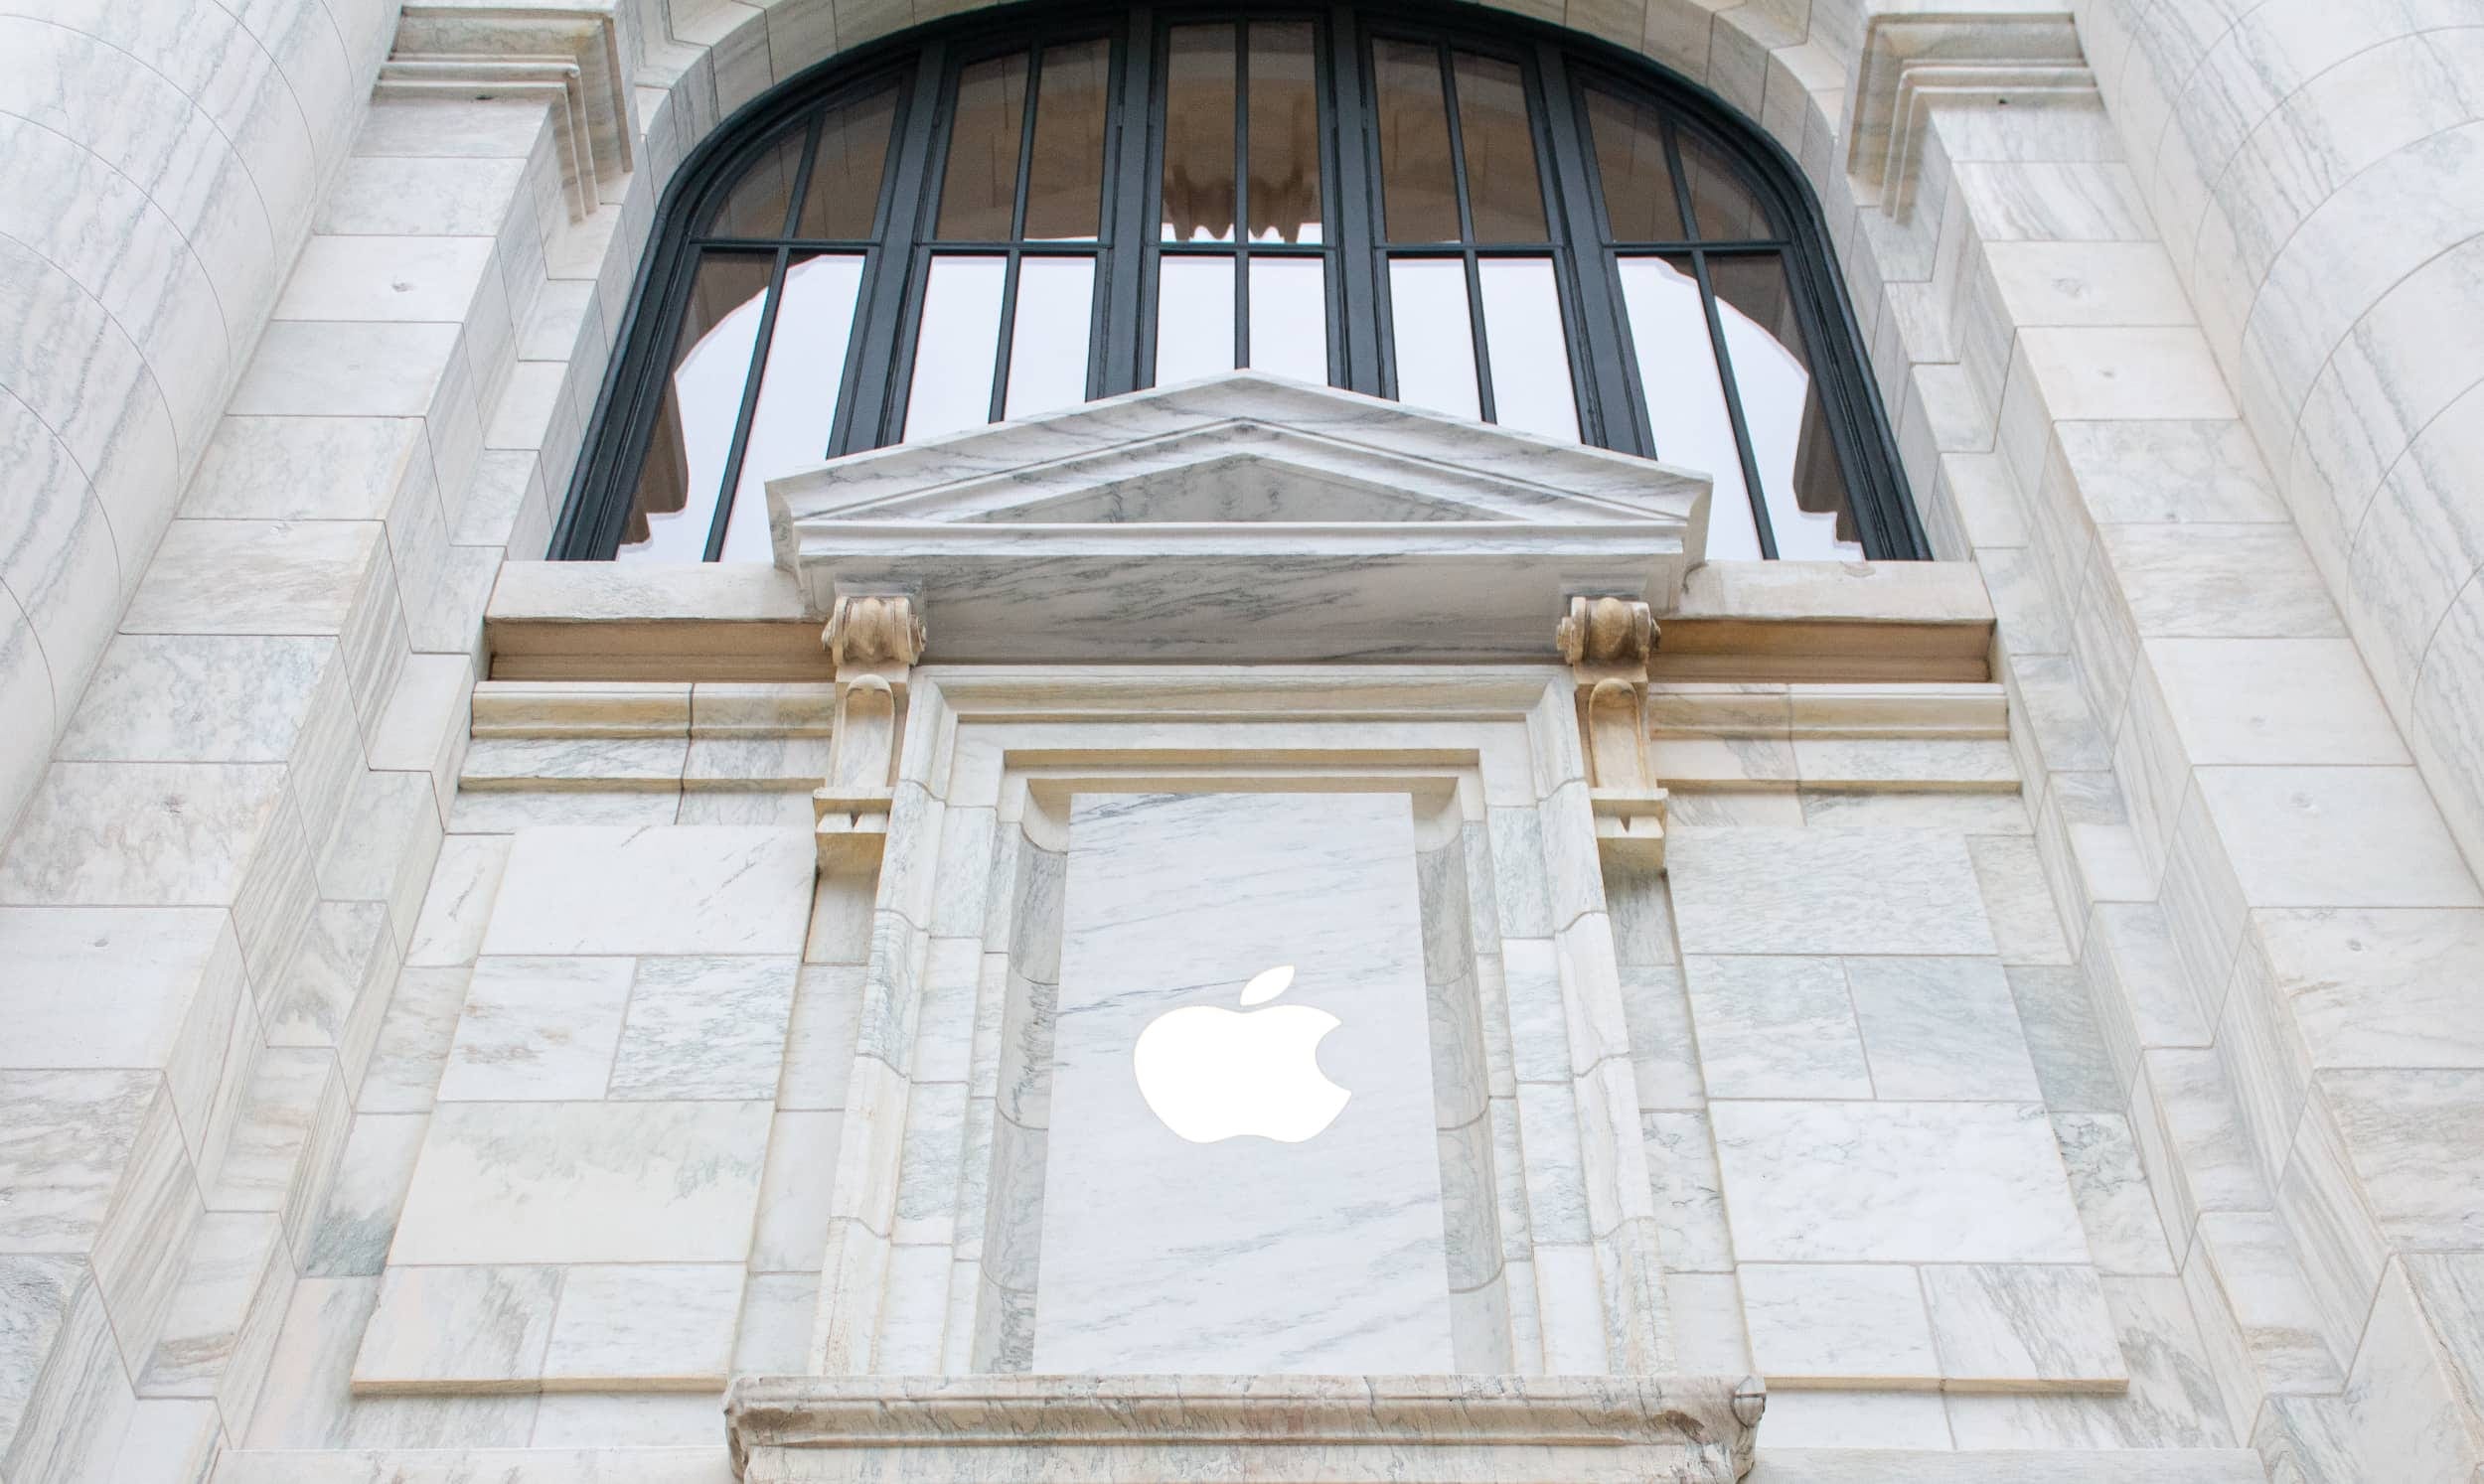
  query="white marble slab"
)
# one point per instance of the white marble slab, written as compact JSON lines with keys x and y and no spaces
{"x":458,"y":1328}
{"x":705,"y":1028}
{"x":1895,"y":1182}
{"x":1773,"y":1026}
{"x":645,"y":1326}
{"x":585,"y":1182}
{"x":1941,"y":1028}
{"x":1824,"y":890}
{"x":678,"y":889}
{"x":539,"y":1029}
{"x":1820,"y":1324}
{"x":2012,"y":1326}
{"x":1247,"y":1254}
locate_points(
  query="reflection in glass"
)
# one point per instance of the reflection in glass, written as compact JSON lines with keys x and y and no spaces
{"x":1285,"y":135}
{"x":1435,"y":339}
{"x":1504,"y":194}
{"x":1685,"y":401}
{"x":1418,"y":197}
{"x":960,"y":334}
{"x":758,"y":202}
{"x":1530,"y":356}
{"x":1193,"y":318}
{"x":1639,"y":204}
{"x":1290,"y":318}
{"x":694,"y":434}
{"x":1199,"y":135}
{"x":1048,"y":344}
{"x":843,"y":193}
{"x":1724,"y":209}
{"x":806,"y":368}
{"x":1782,"y":412}
{"x":979,"y":184}
{"x":1065,"y":173}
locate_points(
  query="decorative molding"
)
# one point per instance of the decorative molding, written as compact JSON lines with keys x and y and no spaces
{"x":873,"y":639}
{"x":568,"y":57}
{"x":1241,"y":518}
{"x":1914,"y":61}
{"x":1285,"y":1430}
{"x":1609,"y":643}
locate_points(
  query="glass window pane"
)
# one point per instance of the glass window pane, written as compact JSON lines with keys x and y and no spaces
{"x":703,"y":400}
{"x":1199,"y":135}
{"x":806,"y":368}
{"x":1419,"y":198}
{"x":757,"y":205}
{"x":1526,"y":348}
{"x":1725,"y":209}
{"x":843,"y":194}
{"x":1285,"y":135}
{"x":1503,"y":193}
{"x":1290,"y":318}
{"x":1434,"y":337}
{"x":1782,"y":412}
{"x":1193,"y":318}
{"x":956,"y":345}
{"x":1066,"y":180}
{"x":1048,"y":345}
{"x":1639,"y":204}
{"x":1685,"y":400}
{"x":979,"y":184}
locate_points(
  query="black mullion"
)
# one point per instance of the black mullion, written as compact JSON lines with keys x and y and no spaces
{"x":996,"y":408}
{"x":749,"y":403}
{"x":1126,"y":354}
{"x":1364,"y":367}
{"x":1752,"y":495}
{"x":880,"y":403}
{"x":1241,"y":192}
{"x":1484,"y":400}
{"x":1596,"y":346}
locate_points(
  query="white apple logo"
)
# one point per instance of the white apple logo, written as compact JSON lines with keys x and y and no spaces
{"x":1213,"y":1074}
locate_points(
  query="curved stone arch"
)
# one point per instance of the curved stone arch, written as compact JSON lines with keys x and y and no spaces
{"x":2314,"y":166}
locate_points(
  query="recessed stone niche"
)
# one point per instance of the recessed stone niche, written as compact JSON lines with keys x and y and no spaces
{"x":1073,"y":856}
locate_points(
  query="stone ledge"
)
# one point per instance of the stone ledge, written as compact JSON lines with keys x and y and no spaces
{"x":1335,"y":1429}
{"x":2014,"y":1466}
{"x":1856,"y":622}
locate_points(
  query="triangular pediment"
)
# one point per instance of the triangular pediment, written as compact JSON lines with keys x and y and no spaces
{"x":1250,"y":496}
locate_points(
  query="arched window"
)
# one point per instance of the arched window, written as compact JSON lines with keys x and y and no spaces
{"x":1032,"y":208}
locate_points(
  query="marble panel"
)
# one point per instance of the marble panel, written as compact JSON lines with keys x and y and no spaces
{"x":1825,"y":890}
{"x":2022,"y":1326}
{"x":1940,"y":1028}
{"x":2171,"y":1402}
{"x":1882,"y":1182}
{"x":1709,"y":1337}
{"x":138,"y":1244}
{"x":304,"y":469}
{"x":2112,"y":1191}
{"x":536,"y":1029}
{"x":1688,"y":1192}
{"x":1664,"y":1056}
{"x":794,"y":1195}
{"x":62,"y":1392}
{"x":1830,"y":1325}
{"x":645,"y":1326}
{"x":2158,"y":470}
{"x":820,"y":1037}
{"x":493,"y":812}
{"x":1774,"y":1027}
{"x":458,"y":1328}
{"x":336,"y":993}
{"x":2415,"y":1141}
{"x":141,"y":834}
{"x":2208,"y":581}
{"x":66,"y":1140}
{"x":2381,"y":988}
{"x":331,"y":368}
{"x":585,"y":1182}
{"x":2257,"y":1315}
{"x":2089,"y":373}
{"x":384,"y":278}
{"x":2025,"y":923}
{"x":286,"y":1141}
{"x":391,"y":196}
{"x":2074,"y":1064}
{"x":1135,"y":1209}
{"x":706,"y":1028}
{"x":267,"y":577}
{"x":457,"y":908}
{"x":621,"y":1428}
{"x":2336,"y":837}
{"x":1906,"y":1430}
{"x":349,"y":1236}
{"x":682,"y":890}
{"x":2273,"y":701}
{"x":90,"y":989}
{"x":415,"y":1039}
{"x":1970,"y":813}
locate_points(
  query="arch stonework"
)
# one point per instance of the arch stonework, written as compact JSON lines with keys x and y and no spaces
{"x":2243,"y":866}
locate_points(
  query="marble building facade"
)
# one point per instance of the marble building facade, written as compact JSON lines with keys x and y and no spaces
{"x":2014,"y":1017}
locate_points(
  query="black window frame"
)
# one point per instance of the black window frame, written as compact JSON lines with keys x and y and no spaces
{"x":1557,"y":67}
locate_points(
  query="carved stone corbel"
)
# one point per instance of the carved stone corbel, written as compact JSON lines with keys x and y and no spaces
{"x":1608,"y":642}
{"x":874,"y":642}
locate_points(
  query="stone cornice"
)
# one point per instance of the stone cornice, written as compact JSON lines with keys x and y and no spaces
{"x":1916,"y":57}
{"x":1411,"y":1429}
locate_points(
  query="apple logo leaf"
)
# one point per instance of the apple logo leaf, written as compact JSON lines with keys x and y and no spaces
{"x":1266,"y":986}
